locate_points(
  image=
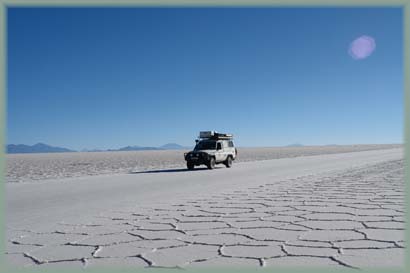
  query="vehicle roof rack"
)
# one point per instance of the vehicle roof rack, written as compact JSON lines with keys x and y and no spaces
{"x":214,"y":135}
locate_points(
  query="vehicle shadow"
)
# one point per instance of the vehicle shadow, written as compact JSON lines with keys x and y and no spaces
{"x":170,"y":170}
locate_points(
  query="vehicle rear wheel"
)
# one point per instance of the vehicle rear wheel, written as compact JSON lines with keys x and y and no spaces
{"x":211,"y":163}
{"x":228,"y":162}
{"x":190,"y":165}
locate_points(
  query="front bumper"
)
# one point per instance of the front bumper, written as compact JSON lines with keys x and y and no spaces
{"x":197,"y":158}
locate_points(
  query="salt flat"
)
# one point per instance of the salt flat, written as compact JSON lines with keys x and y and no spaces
{"x":38,"y":167}
{"x":337,"y":210}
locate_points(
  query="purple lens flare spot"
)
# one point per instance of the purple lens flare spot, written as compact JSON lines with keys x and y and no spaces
{"x":362,"y":47}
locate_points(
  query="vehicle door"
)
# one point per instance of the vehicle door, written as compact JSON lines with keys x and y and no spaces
{"x":219,"y":155}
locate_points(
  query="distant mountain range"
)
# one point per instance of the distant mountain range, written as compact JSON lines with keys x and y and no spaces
{"x":44,"y":148}
{"x":36,"y":148}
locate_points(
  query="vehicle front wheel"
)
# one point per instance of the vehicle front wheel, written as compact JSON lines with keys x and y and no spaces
{"x":228,"y":162}
{"x":190,"y":165}
{"x":211,"y":163}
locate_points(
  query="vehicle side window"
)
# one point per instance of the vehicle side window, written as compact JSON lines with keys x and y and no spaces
{"x":230,"y":144}
{"x":219,"y":146}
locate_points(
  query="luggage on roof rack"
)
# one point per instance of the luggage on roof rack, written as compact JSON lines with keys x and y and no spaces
{"x":206,"y":134}
{"x":214,"y":135}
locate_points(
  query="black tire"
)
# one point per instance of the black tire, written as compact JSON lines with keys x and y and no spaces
{"x":211,"y":163}
{"x":190,"y":165}
{"x":228,"y":162}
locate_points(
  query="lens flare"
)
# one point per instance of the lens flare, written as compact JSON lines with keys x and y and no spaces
{"x":362,"y":47}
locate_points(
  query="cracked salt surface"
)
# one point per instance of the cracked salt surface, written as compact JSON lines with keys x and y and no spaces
{"x":352,"y":219}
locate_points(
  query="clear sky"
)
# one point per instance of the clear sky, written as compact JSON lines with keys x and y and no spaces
{"x":107,"y":78}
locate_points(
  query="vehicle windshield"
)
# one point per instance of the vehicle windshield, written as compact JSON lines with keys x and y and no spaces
{"x":205,"y":145}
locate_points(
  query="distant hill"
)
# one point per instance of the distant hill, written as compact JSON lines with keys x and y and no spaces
{"x":136,"y":148}
{"x":36,"y":148}
{"x":173,"y":146}
{"x":295,"y":145}
{"x":92,"y":150}
{"x":169,"y":146}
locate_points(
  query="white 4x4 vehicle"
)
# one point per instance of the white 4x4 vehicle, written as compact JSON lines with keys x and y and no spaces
{"x":212,"y":148}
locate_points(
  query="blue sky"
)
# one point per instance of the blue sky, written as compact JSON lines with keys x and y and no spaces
{"x":107,"y":78}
